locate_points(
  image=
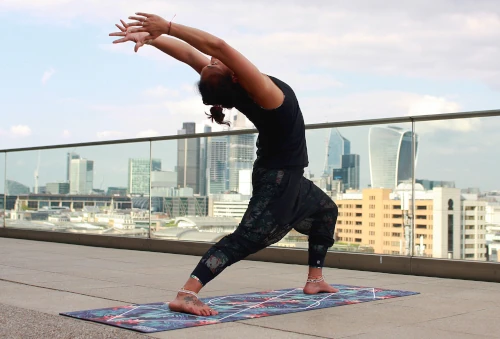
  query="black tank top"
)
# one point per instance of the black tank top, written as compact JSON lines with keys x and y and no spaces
{"x":282,"y":140}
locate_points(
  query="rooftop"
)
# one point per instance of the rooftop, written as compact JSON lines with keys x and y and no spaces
{"x":38,"y":280}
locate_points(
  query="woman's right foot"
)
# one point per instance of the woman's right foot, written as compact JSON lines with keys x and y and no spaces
{"x":187,"y":303}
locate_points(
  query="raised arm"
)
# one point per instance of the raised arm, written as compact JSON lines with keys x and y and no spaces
{"x":181,"y":51}
{"x":259,"y":86}
{"x":175,"y":48}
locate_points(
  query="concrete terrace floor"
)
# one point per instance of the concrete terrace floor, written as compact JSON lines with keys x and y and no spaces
{"x":38,"y":280}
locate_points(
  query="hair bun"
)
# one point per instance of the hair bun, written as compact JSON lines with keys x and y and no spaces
{"x":217,"y":115}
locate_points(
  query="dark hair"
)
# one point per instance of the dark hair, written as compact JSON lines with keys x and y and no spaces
{"x":220,"y":92}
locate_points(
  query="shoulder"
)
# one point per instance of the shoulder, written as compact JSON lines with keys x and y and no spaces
{"x":289,"y":94}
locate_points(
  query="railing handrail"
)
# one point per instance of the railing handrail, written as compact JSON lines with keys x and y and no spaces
{"x":352,"y":123}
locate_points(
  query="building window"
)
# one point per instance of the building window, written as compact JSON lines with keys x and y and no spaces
{"x":372,"y":242}
{"x":372,"y":233}
{"x":359,"y":206}
{"x":396,"y":225}
{"x":396,"y":207}
{"x":422,"y":226}
{"x":450,"y":230}
{"x":358,"y":232}
{"x":450,"y":205}
{"x":396,"y":234}
{"x":372,"y":215}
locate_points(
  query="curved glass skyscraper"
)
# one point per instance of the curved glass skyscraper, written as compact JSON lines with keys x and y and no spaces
{"x":390,"y":156}
{"x":336,"y":147}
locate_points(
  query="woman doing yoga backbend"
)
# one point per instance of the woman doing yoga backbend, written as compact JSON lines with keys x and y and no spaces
{"x":282,"y":198}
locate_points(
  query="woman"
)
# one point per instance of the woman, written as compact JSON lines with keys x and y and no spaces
{"x":282,"y":199}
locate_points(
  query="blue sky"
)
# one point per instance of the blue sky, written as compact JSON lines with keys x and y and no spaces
{"x":347,"y":60}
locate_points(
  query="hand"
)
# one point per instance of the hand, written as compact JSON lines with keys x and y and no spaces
{"x":127,"y":34}
{"x":150,"y":23}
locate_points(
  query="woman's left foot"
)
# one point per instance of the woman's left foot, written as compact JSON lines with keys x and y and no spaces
{"x":319,"y":287}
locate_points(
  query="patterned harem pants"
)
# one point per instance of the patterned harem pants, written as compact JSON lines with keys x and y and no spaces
{"x":282,"y":200}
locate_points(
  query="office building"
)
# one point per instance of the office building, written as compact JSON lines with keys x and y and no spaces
{"x":336,"y":147}
{"x":217,"y":165}
{"x":188,"y":158}
{"x":81,"y":179}
{"x":348,"y":174}
{"x":139,"y":171}
{"x":58,"y":188}
{"x":390,"y":152}
{"x":16,"y":188}
{"x":70,"y":156}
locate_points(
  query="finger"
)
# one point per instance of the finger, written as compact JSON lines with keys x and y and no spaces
{"x":147,"y":15}
{"x":138,"y":18}
{"x":123,"y":29}
{"x":149,"y":37}
{"x":120,"y":40}
{"x":124,"y":23}
{"x":118,"y":34}
{"x":137,"y":30}
{"x":138,"y":45}
{"x":135,"y":23}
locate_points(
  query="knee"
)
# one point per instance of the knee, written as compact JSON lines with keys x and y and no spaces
{"x":335,"y":209}
{"x":331,"y":207}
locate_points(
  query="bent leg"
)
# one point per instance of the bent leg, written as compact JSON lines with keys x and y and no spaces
{"x":320,"y":228}
{"x":259,"y":228}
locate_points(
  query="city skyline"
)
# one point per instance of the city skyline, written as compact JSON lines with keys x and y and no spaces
{"x":440,"y":156}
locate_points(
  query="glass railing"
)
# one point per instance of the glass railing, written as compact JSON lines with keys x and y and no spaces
{"x":196,"y":187}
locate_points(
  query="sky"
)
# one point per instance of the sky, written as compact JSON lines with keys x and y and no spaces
{"x":65,"y":82}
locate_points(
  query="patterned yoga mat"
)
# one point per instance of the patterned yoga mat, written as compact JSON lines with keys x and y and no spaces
{"x":156,"y":317}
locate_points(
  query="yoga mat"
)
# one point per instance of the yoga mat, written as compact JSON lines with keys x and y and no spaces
{"x":157,"y":317}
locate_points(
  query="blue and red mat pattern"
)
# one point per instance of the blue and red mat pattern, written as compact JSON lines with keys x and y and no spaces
{"x":156,"y":317}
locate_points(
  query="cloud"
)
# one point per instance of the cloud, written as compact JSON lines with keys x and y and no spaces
{"x":20,"y":131}
{"x":66,"y":134}
{"x":161,"y":92}
{"x":109,"y":135}
{"x":47,"y":75}
{"x":447,"y":40}
{"x":429,"y":105}
{"x":147,"y":133}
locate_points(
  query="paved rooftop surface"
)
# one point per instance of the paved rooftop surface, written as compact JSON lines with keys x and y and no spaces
{"x":38,"y":280}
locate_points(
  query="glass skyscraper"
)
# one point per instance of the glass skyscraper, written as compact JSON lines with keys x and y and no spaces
{"x":390,"y":156}
{"x":139,"y":171}
{"x":188,"y":159}
{"x":336,"y":147}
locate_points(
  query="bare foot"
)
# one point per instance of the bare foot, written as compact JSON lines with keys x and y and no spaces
{"x":187,"y":303}
{"x":319,"y":287}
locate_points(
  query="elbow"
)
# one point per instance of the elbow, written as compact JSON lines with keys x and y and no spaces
{"x":218,"y":47}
